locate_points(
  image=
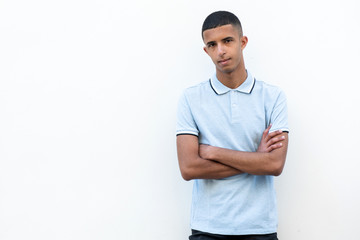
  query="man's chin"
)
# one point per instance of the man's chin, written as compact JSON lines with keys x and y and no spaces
{"x":225,"y":70}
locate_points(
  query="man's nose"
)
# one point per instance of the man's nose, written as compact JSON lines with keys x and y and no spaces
{"x":221,"y":49}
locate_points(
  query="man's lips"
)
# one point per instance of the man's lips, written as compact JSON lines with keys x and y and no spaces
{"x":224,"y":61}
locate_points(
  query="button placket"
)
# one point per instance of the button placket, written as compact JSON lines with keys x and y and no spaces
{"x":235,"y":113}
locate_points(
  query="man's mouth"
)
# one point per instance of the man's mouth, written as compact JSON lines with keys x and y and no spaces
{"x":224,"y":61}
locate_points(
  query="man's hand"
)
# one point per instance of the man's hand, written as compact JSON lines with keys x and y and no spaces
{"x":269,"y":159}
{"x":205,"y":151}
{"x":270,"y":141}
{"x":192,"y":166}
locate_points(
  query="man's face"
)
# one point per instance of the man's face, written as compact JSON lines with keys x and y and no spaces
{"x":224,"y":45}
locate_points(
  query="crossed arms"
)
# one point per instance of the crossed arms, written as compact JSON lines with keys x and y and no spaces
{"x":210,"y":162}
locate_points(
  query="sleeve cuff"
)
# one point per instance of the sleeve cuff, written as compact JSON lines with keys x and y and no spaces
{"x":187,"y":133}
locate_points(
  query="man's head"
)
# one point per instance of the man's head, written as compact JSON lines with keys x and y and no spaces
{"x":221,"y":18}
{"x":224,"y":42}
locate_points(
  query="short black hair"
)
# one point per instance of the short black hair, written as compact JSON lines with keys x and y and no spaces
{"x":221,"y":18}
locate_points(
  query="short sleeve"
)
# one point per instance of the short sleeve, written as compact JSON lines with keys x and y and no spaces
{"x":279,"y":114}
{"x":185,"y":121}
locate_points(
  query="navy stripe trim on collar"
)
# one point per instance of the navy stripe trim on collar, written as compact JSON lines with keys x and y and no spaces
{"x":212,"y":86}
{"x":253,"y":85}
{"x":218,"y":93}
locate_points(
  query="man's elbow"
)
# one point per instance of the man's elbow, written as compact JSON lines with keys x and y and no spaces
{"x":276,"y":166}
{"x":186,"y":173}
{"x":186,"y":177}
{"x":274,"y":161}
{"x":277,"y":171}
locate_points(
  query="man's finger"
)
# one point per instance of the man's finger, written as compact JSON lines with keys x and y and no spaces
{"x":275,"y":146}
{"x":275,"y":133}
{"x":274,"y":140}
{"x":266,"y":132}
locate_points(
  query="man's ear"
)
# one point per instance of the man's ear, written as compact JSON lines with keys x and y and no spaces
{"x":206,"y":50}
{"x":244,"y":40}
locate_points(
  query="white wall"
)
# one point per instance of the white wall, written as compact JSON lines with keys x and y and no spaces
{"x":88,"y":94}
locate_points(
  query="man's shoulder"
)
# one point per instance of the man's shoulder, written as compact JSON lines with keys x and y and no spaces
{"x":266,"y":85}
{"x":197,"y":88}
{"x":199,"y":85}
{"x":267,"y":88}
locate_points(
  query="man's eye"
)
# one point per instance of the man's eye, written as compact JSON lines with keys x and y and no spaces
{"x":211,"y":45}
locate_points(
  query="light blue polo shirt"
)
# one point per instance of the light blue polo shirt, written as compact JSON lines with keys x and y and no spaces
{"x":234,"y":119}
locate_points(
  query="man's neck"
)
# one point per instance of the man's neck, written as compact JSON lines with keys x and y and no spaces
{"x":233,"y":79}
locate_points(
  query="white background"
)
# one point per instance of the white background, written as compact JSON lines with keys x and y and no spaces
{"x":88,"y":95}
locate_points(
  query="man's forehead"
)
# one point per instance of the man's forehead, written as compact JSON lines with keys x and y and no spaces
{"x":223,"y":31}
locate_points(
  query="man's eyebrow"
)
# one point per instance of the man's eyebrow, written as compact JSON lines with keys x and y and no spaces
{"x":224,"y":39}
{"x":228,"y":38}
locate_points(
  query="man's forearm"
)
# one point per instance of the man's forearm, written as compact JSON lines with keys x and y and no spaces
{"x":249,"y":162}
{"x":207,"y":169}
{"x":192,"y":166}
{"x":258,"y":163}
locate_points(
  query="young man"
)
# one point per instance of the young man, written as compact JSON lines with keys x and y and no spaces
{"x":232,"y":137}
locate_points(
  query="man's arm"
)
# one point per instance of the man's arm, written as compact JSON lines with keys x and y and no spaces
{"x":258,"y":163}
{"x":194,"y":166}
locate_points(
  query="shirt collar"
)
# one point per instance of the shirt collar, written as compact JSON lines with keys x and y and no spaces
{"x":246,"y":87}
